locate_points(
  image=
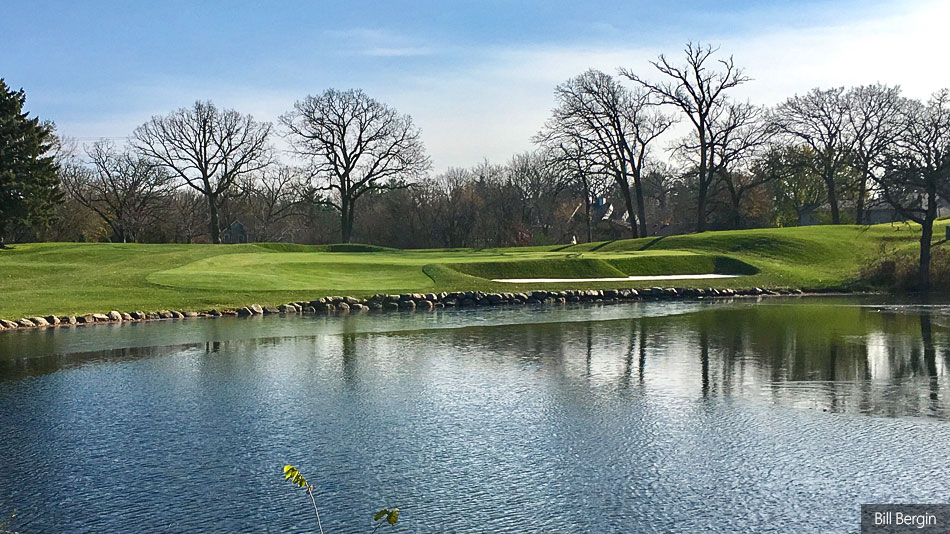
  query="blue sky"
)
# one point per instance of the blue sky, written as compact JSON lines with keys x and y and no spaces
{"x":477,"y":77}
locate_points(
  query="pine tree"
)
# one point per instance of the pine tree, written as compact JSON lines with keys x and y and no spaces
{"x":29,"y":174}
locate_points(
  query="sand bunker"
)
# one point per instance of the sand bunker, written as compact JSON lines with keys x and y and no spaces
{"x":621,"y":279}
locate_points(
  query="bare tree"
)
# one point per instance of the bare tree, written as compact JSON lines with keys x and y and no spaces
{"x":457,"y":207}
{"x":573,"y":159}
{"x":273,"y":196}
{"x":123,"y":189}
{"x":742,"y":133}
{"x":354,"y":145}
{"x":819,"y":119}
{"x":617,"y":125}
{"x":917,"y":169}
{"x":792,"y":180}
{"x":874,"y":119}
{"x":209,"y":149}
{"x":698,"y":90}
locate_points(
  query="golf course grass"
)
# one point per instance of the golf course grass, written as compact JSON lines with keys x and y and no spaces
{"x":78,"y":278}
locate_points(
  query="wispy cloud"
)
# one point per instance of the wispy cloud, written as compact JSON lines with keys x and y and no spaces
{"x":482,"y":101}
{"x":378,"y":43}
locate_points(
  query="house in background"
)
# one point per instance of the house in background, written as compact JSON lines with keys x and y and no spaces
{"x":880,"y":214}
{"x":235,"y":233}
{"x":606,"y":220}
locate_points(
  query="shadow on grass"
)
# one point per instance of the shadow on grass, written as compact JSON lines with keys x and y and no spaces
{"x":653,"y":242}
{"x":602,"y":245}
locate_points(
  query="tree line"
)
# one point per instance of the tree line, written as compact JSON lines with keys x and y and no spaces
{"x":628,"y":154}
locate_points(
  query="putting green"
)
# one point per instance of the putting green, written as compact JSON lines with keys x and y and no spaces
{"x":281,"y":271}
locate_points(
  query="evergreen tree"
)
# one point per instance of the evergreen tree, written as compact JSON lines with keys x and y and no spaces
{"x":29,"y":177}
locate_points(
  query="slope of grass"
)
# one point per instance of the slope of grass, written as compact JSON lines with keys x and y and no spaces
{"x":74,"y":278}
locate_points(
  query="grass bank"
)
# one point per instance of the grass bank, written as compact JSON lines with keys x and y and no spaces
{"x":78,"y":278}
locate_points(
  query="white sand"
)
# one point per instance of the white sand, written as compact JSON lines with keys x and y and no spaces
{"x":624,"y":279}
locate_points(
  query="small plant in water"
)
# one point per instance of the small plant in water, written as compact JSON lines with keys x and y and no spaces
{"x":291,"y":474}
{"x":391,"y":515}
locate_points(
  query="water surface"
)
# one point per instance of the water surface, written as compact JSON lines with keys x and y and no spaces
{"x":781,"y":415}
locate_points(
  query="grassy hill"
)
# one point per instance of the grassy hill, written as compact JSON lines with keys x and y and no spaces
{"x":75,"y":278}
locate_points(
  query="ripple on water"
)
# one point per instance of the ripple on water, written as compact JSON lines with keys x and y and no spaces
{"x":706,"y":421}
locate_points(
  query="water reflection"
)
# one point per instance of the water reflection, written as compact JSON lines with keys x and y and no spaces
{"x":671,"y":418}
{"x":833,"y":356}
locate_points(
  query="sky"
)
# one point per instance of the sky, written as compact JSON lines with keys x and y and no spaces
{"x":477,"y":77}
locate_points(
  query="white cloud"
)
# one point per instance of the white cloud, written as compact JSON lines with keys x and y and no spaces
{"x":487,"y":102}
{"x":492,"y":108}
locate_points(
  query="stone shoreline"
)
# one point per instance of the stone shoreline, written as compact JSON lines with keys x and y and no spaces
{"x":405,"y":301}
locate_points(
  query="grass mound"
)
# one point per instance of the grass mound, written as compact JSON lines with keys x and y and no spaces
{"x":336,"y":247}
{"x":662,"y":264}
{"x":78,"y":278}
{"x":548,"y":268}
{"x":607,"y":267}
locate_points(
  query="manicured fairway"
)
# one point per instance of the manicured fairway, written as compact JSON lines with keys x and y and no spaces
{"x":74,"y":278}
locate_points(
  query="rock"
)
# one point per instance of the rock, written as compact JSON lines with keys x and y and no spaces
{"x":8,"y":324}
{"x":177,"y":315}
{"x":25,"y":323}
{"x":39,"y":321}
{"x":244,"y":312}
{"x":375,"y":305}
{"x":343,"y":307}
{"x":153,"y":316}
{"x":286,"y":308}
{"x":350,"y":301}
{"x":449,"y":302}
{"x":270,"y":310}
{"x":390,"y":305}
{"x":126,"y":317}
{"x":52,"y":319}
{"x":100,"y":317}
{"x":69,"y":319}
{"x":256,"y":309}
{"x":137,"y":316}
{"x":115,"y":316}
{"x":310,"y":310}
{"x":190,"y":314}
{"x":407,"y":305}
{"x":431,"y":296}
{"x":424,"y":305}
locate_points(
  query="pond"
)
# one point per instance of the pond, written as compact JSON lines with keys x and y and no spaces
{"x":782,"y":415}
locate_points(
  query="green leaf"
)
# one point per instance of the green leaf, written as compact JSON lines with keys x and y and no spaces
{"x":393,"y":516}
{"x":380,"y":514}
